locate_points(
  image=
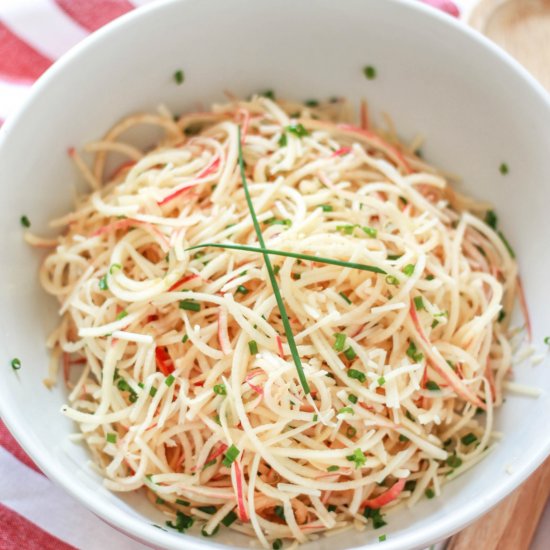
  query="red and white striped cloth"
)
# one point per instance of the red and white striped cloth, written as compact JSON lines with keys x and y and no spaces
{"x":34,"y":33}
{"x":34,"y":513}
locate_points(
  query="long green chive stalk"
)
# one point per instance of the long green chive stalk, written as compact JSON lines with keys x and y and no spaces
{"x":274,"y":284}
{"x":307,"y":257}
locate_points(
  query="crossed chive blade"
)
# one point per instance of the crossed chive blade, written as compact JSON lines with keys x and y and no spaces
{"x":274,"y":284}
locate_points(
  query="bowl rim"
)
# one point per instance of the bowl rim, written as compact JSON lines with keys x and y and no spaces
{"x":140,"y":530}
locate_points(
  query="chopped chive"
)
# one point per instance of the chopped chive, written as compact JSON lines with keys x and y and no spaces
{"x":394,"y":256}
{"x":339,"y":341}
{"x":376,"y":516}
{"x":270,"y":94}
{"x":298,"y":130}
{"x":279,"y":512}
{"x":253,"y":347}
{"x":408,"y":270}
{"x":507,"y":244}
{"x":413,"y":353}
{"x":391,"y":280}
{"x":453,"y":461}
{"x":357,"y":375}
{"x":160,"y":501}
{"x":315,"y":418}
{"x":276,"y":269}
{"x":229,"y":519}
{"x":381,"y":381}
{"x":429,"y":492}
{"x":230,"y":456}
{"x":403,"y":438}
{"x":547,"y":340}
{"x":357,"y":457}
{"x":306,"y":257}
{"x":275,"y":286}
{"x":344,"y":296}
{"x":122,"y":314}
{"x":283,"y":140}
{"x":189,"y":305}
{"x":179,"y":76}
{"x":111,"y":438}
{"x":370,"y":72}
{"x":122,"y":385}
{"x":25,"y":222}
{"x":430,"y":277}
{"x":185,"y":338}
{"x":183,"y":522}
{"x":370,"y":231}
{"x":468,"y":439}
{"x":220,"y":389}
{"x":418,"y":303}
{"x":504,"y":169}
{"x":209,"y":463}
{"x":350,"y":354}
{"x":432,"y":386}
{"x":345,"y":410}
{"x":491,"y":219}
{"x":114,"y":268}
{"x":311,"y":103}
{"x":277,"y":544}
{"x":333,"y":468}
{"x":169,"y":380}
{"x":242,"y":289}
{"x":381,"y":538}
{"x":153,"y":391}
{"x":103,"y":283}
{"x":435,"y":322}
{"x":208,"y":509}
{"x":346,"y":229}
{"x":410,"y":485}
{"x":351,"y":432}
{"x":182,"y":502}
{"x":326,"y":208}
{"x":501,"y":316}
{"x":296,"y":276}
{"x":352,"y":398}
{"x":276,"y":221}
{"x":16,"y":363}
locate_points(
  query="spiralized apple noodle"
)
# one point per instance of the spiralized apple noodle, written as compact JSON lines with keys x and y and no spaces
{"x":180,"y":375}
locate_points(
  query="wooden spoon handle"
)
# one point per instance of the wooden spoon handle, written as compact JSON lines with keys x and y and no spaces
{"x":512,"y":524}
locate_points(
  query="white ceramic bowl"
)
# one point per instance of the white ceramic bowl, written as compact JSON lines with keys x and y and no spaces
{"x":476,"y":107}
